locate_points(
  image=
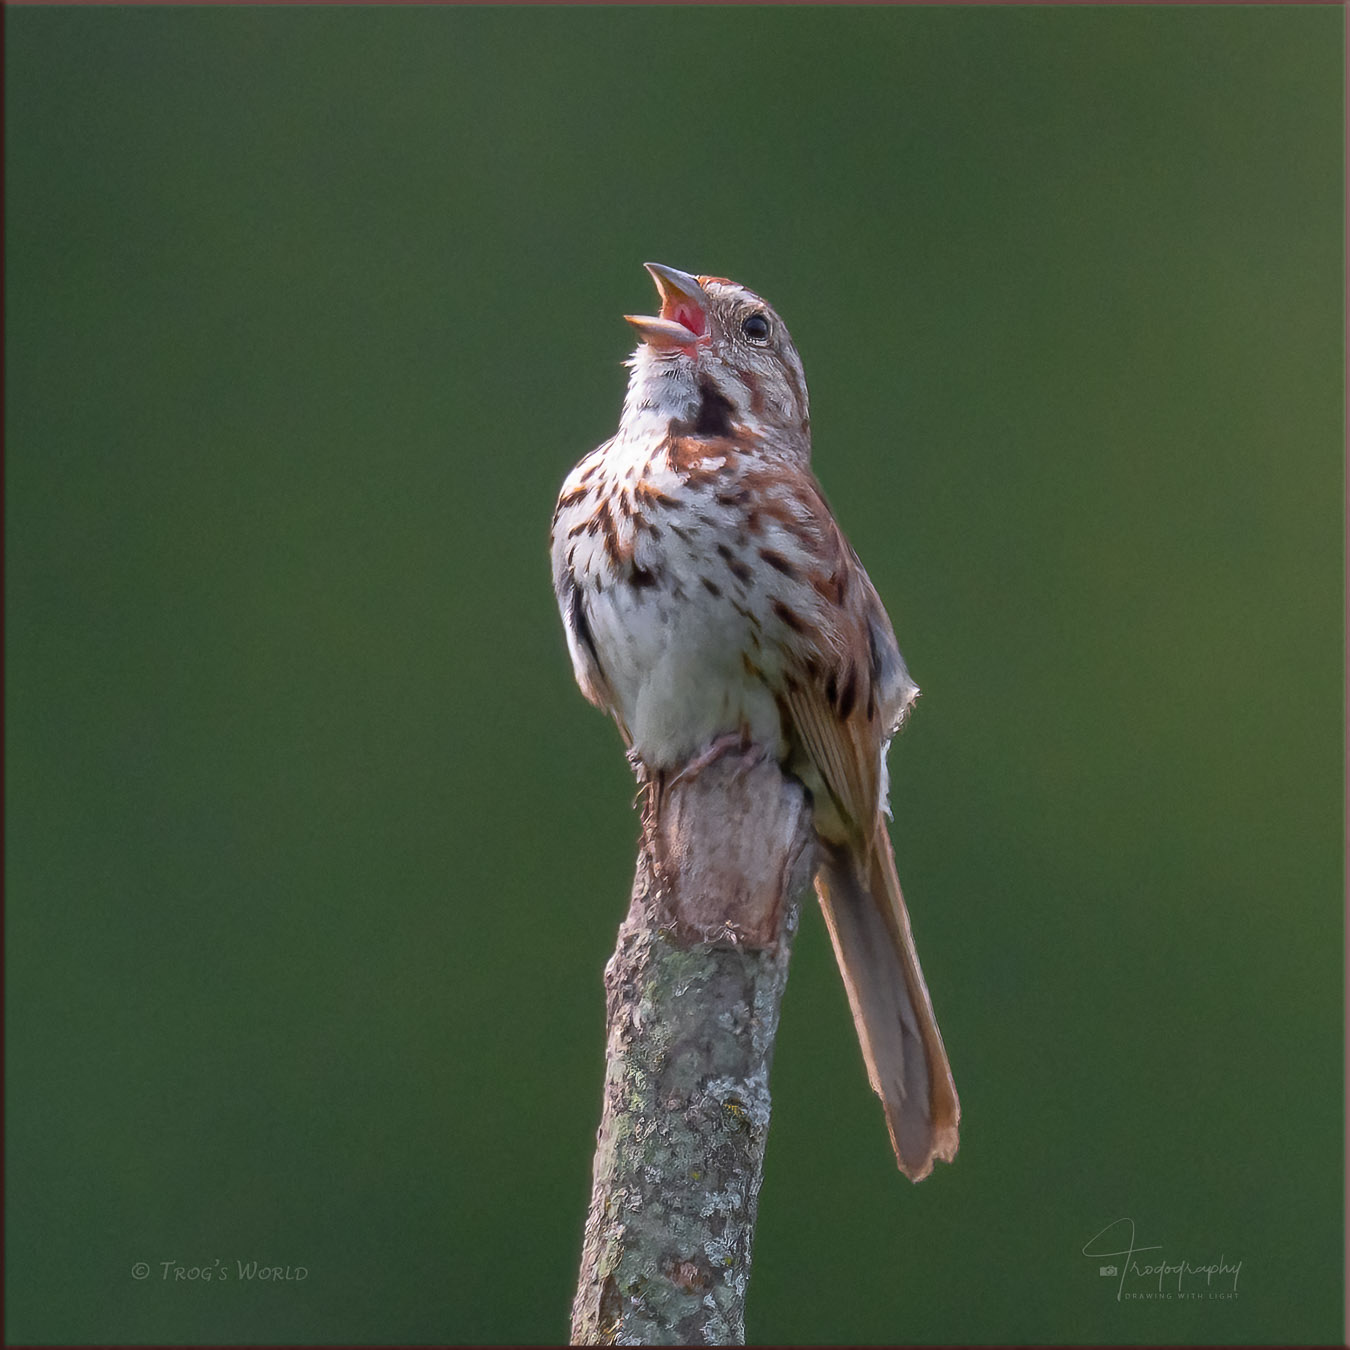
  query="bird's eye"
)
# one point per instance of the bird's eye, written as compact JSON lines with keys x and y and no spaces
{"x":756,"y":328}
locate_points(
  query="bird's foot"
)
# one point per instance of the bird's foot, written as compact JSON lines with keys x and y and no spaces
{"x":734,"y":742}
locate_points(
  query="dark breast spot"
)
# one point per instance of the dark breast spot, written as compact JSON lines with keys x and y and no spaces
{"x":644,"y":492}
{"x":788,"y":616}
{"x":780,"y":564}
{"x":713,"y":417}
{"x":605,"y":522}
{"x":577,"y":612}
{"x":734,"y":565}
{"x":714,"y":411}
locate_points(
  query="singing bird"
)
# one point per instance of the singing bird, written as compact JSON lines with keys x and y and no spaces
{"x":707,"y":593}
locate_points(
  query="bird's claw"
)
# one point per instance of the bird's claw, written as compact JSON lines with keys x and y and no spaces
{"x":734,"y":742}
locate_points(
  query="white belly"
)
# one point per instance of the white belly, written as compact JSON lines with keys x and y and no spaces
{"x":678,"y":654}
{"x":676,"y":664}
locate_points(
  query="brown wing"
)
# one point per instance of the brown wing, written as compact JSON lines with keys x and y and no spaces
{"x":845,"y":755}
{"x":844,"y":699}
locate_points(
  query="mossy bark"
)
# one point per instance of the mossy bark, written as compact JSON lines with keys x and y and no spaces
{"x":693,"y":993}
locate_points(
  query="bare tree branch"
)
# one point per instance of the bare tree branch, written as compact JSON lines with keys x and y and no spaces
{"x":693,"y":993}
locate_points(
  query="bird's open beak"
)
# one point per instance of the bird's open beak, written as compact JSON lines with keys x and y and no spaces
{"x":684,"y":310}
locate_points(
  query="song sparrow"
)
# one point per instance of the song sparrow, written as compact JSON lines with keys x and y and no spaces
{"x":707,"y":592}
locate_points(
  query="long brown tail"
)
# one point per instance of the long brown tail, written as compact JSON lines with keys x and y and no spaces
{"x":865,"y":911}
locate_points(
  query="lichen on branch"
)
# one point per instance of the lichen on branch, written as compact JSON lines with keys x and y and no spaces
{"x":693,"y":993}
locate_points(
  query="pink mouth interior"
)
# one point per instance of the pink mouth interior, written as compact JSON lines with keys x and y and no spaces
{"x":690,"y":315}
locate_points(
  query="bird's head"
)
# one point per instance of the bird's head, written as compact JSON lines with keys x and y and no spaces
{"x":717,"y":357}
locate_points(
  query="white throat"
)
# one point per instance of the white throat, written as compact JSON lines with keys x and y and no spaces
{"x":661,"y":389}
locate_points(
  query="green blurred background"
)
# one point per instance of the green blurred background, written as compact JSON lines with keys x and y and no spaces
{"x":315,"y":855}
